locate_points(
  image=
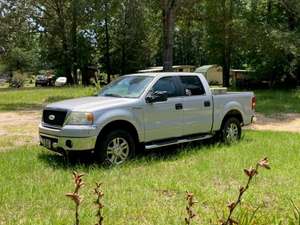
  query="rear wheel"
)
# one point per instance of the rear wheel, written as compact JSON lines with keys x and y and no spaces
{"x":116,"y":147}
{"x":231,"y":130}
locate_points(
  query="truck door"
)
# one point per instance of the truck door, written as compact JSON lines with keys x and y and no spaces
{"x":164,"y":119}
{"x":197,"y":106}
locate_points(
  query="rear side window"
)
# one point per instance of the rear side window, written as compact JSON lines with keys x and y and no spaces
{"x":192,"y":85}
{"x":166,"y":84}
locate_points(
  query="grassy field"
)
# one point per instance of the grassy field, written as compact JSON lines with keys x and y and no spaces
{"x":151,"y":189}
{"x":36,"y":98}
{"x":278,"y":101}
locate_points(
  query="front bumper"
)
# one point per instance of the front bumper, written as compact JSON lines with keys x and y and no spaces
{"x":76,"y":139}
{"x":60,"y":144}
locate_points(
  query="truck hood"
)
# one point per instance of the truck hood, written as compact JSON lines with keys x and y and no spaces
{"x":90,"y":103}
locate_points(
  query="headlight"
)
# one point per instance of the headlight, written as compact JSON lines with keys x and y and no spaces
{"x":80,"y":118}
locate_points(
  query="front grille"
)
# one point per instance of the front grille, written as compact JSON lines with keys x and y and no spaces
{"x":54,"y":117}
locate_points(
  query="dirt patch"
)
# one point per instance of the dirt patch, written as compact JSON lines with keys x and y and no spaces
{"x":277,"y":122}
{"x":21,"y":128}
{"x":18,"y":128}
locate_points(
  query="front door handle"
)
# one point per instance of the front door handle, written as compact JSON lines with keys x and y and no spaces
{"x":206,"y":103}
{"x":178,"y":106}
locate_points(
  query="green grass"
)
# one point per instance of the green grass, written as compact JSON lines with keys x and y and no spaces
{"x":4,"y":86}
{"x":278,"y":101}
{"x":151,"y":189}
{"x":36,"y":98}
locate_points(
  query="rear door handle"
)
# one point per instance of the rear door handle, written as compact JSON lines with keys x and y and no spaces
{"x":206,"y":103}
{"x":178,"y":106}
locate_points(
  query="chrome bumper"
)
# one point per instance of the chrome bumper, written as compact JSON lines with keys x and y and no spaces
{"x":67,"y":143}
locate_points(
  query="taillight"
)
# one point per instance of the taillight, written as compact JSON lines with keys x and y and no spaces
{"x":253,"y":103}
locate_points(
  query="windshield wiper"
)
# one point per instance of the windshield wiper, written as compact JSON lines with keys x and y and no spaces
{"x":113,"y":95}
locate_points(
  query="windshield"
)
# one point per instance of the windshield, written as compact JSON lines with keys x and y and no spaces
{"x":127,"y":87}
{"x":40,"y":77}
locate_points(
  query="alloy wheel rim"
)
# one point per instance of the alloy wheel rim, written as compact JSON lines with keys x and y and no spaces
{"x":117,"y":150}
{"x":232,"y":132}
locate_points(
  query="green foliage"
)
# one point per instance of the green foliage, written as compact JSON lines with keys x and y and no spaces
{"x":16,"y":38}
{"x":130,"y":50}
{"x":19,"y":59}
{"x":268,"y":44}
{"x":189,"y":35}
{"x":126,"y":43}
{"x":124,"y":36}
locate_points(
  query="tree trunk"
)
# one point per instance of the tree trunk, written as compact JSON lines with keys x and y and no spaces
{"x":168,"y":20}
{"x":269,"y":11}
{"x":227,"y":42}
{"x":123,"y":59}
{"x":107,"y":45}
{"x":293,"y":18}
{"x":226,"y":68}
{"x":74,"y":40}
{"x":66,"y":62}
{"x":124,"y":47}
{"x":189,"y":43}
{"x":85,"y":76}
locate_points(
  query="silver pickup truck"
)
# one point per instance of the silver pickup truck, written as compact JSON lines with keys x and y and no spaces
{"x":145,"y":111}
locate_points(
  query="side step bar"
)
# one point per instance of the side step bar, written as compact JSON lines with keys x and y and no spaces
{"x":176,"y":141}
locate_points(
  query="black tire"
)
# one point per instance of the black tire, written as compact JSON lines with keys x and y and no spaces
{"x":107,"y":150}
{"x":231,"y":130}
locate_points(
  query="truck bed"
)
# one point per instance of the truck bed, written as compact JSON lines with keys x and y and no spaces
{"x":242,"y":101}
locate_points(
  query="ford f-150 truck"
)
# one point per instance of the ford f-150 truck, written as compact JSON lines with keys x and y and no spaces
{"x":149,"y":110}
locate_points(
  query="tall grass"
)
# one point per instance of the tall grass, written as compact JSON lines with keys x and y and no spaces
{"x":278,"y":101}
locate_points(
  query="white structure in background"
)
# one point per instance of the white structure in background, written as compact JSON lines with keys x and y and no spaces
{"x":61,"y":81}
{"x":212,"y":73}
{"x":176,"y":68}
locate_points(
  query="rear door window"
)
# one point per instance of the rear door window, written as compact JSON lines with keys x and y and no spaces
{"x":192,"y":85}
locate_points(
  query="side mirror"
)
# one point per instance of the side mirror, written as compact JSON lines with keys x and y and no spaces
{"x":157,"y":96}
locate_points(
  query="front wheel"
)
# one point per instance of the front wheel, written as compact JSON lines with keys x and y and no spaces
{"x":115,"y":147}
{"x":231,"y":130}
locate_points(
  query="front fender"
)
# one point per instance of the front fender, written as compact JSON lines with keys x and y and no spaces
{"x":133,"y":116}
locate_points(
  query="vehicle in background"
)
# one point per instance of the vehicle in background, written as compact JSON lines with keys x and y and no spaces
{"x":150,"y":110}
{"x":2,"y":81}
{"x":43,"y":80}
{"x":60,"y":81}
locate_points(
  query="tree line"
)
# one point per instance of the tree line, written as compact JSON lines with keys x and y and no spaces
{"x":123,"y":36}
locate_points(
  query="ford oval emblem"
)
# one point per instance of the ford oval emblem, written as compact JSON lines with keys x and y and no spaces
{"x":51,"y":117}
